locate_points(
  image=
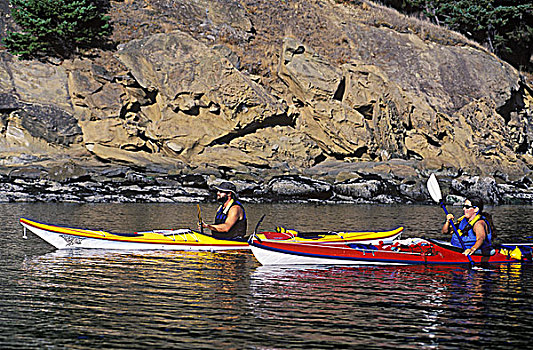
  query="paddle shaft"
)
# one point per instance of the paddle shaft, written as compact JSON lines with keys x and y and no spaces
{"x":456,"y":232}
{"x":254,"y":234}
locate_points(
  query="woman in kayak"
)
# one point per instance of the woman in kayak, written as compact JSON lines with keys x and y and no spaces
{"x":475,"y":227}
{"x":230,"y":219}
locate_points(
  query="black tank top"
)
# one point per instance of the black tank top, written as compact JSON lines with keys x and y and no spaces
{"x":238,"y":230}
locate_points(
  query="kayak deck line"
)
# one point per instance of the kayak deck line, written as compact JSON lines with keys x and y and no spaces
{"x":181,"y":234}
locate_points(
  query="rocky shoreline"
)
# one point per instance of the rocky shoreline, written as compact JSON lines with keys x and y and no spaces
{"x":122,"y":184}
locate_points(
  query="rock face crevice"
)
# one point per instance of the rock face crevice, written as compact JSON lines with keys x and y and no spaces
{"x":275,"y":120}
{"x":254,"y":90}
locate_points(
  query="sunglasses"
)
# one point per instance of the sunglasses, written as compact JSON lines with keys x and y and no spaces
{"x":466,"y":206}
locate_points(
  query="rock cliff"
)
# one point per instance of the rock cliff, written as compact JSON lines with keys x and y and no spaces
{"x":323,"y":99}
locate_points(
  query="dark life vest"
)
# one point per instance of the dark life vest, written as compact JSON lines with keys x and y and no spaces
{"x":240,"y":227}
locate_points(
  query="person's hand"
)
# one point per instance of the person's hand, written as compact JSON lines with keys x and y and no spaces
{"x":468,"y":252}
{"x":449,"y":217}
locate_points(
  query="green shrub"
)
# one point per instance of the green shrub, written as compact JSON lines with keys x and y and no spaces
{"x":56,"y":28}
{"x":504,"y":26}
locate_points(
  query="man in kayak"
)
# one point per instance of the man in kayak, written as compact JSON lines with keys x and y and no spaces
{"x":475,"y":227}
{"x":230,"y":219}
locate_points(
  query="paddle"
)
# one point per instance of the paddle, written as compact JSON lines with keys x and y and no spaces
{"x":255,"y":229}
{"x":200,"y":221}
{"x":434,"y":192}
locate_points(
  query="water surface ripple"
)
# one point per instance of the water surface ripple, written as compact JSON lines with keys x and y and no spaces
{"x":87,"y":299}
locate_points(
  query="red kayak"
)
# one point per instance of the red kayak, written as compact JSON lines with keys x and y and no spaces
{"x":413,"y":251}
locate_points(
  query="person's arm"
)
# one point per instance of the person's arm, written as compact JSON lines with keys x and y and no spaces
{"x":233,"y":216}
{"x":481,"y":233}
{"x":447,"y":228}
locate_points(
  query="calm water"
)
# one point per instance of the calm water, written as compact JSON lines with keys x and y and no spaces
{"x":139,"y":300}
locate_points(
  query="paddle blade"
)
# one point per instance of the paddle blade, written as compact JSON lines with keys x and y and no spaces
{"x":200,"y":222}
{"x":434,"y":188}
{"x":199,"y":213}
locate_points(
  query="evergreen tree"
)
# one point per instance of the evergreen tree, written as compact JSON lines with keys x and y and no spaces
{"x":56,"y":27}
{"x":504,"y":26}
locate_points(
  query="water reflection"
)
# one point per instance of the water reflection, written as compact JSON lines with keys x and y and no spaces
{"x":88,"y":299}
{"x":450,"y":305}
{"x":195,"y":294}
{"x":334,"y":297}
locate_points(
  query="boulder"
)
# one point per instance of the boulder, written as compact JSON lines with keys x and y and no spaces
{"x":294,"y":188}
{"x":203,"y":100}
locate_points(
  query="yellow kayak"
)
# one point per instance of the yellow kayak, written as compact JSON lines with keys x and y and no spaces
{"x":186,"y":239}
{"x":332,"y":237}
{"x":183,"y":239}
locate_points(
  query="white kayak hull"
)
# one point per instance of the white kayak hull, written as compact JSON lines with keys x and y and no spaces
{"x":187,"y":240}
{"x":269,"y":257}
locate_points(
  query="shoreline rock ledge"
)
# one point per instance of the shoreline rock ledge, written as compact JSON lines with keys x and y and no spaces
{"x":394,"y":182}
